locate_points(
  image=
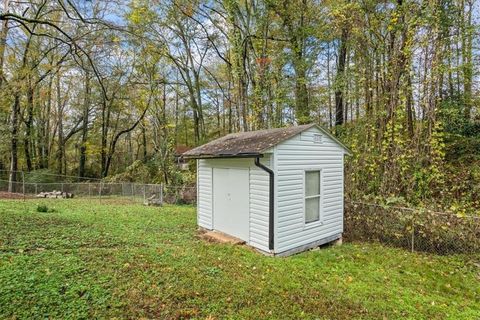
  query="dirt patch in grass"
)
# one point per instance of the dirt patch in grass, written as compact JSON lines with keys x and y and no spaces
{"x":13,"y":195}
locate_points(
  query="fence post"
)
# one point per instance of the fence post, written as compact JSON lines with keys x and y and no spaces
{"x":89,"y":189}
{"x":413,"y":231}
{"x":161,"y":194}
{"x":144,"y":195}
{"x":23,"y":185}
{"x":36,"y":188}
{"x":133,"y":191}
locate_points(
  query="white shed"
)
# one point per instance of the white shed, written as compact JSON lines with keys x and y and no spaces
{"x":279,"y":190}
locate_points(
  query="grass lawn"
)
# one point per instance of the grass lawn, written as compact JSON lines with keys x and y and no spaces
{"x":88,"y":259}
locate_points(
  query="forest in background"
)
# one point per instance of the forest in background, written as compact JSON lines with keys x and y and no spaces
{"x":110,"y":88}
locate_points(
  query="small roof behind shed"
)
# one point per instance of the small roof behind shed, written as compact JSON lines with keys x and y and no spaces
{"x":181,"y":149}
{"x":251,"y":143}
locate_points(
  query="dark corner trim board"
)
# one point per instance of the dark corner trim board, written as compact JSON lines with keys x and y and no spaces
{"x":270,"y":203}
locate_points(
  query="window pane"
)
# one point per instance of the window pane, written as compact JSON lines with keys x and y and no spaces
{"x":312,"y":209}
{"x":312,"y":183}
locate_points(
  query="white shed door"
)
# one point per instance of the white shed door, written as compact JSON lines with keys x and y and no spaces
{"x":231,"y":202}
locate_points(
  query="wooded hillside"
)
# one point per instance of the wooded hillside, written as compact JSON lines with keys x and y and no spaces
{"x":104,"y":87}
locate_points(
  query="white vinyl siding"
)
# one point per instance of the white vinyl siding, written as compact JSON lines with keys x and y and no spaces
{"x":292,"y":158}
{"x":258,"y":202}
{"x":204,"y":194}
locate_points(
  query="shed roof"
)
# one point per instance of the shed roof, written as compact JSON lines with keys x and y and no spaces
{"x":250,"y":143}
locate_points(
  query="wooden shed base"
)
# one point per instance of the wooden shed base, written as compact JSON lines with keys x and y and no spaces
{"x":220,"y":237}
{"x":335,"y":240}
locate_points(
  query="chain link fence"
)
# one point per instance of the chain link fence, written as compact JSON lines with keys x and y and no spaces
{"x":413,"y":229}
{"x":61,"y":186}
{"x":137,"y":192}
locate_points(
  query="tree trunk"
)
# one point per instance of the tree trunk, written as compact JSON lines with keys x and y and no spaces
{"x":176,"y":114}
{"x":340,"y":78}
{"x":60,"y":140}
{"x":106,"y":106}
{"x":301,"y":94}
{"x":44,"y":136}
{"x":83,"y":143}
{"x":28,"y":125}
{"x":3,"y":41}
{"x":14,"y":144}
{"x":409,"y":106}
{"x":144,"y":141}
{"x":330,"y":113}
{"x":467,"y":65}
{"x":300,"y":65}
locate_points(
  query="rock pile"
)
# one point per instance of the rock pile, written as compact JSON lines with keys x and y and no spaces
{"x":153,"y":201}
{"x":55,"y":194}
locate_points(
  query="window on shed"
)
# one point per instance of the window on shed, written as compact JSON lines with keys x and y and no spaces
{"x":312,"y":195}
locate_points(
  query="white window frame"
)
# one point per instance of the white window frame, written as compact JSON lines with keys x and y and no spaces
{"x":318,"y":222}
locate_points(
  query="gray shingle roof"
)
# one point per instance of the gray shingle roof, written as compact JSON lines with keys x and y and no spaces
{"x":248,"y":144}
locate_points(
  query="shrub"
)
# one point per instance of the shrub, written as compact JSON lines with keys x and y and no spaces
{"x":42,"y":208}
{"x":412,"y":228}
{"x":136,"y":172}
{"x":42,"y":176}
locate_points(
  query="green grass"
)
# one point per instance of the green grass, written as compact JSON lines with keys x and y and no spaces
{"x":85,"y":259}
